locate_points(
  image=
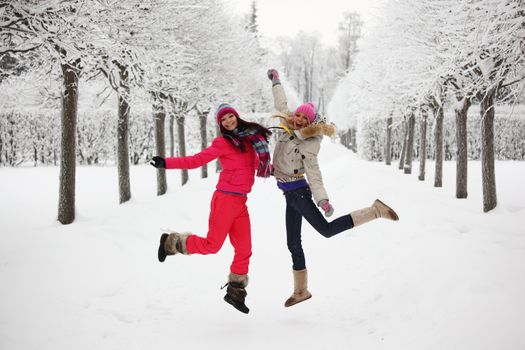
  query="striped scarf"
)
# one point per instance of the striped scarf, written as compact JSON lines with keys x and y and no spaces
{"x":260,"y":145}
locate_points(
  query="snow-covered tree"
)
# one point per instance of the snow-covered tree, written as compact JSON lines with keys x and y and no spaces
{"x":421,"y":53}
{"x":57,"y":30}
{"x":499,"y":55}
{"x":350,"y":29}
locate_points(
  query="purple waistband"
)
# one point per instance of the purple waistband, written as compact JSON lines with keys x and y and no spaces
{"x":234,"y":193}
{"x":290,"y":186}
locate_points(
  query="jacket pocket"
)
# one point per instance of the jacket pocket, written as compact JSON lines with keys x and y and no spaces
{"x":240,"y":177}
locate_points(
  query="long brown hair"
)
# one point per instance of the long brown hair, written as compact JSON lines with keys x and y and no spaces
{"x":244,"y":125}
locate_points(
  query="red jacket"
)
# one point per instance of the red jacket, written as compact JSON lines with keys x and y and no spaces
{"x":238,"y":168}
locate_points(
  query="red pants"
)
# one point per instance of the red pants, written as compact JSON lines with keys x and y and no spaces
{"x":228,"y":214}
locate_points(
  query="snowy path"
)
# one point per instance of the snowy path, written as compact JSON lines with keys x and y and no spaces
{"x":446,"y":276}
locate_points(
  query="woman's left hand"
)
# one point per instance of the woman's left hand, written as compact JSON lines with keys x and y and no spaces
{"x":327,"y":207}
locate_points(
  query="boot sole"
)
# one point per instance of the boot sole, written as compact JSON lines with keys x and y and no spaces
{"x":162,"y":253}
{"x":300,"y":301}
{"x":242,"y":308}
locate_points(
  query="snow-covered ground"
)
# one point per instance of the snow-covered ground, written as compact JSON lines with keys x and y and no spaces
{"x":446,"y":276}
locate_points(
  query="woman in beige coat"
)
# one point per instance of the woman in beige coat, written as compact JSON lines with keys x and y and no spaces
{"x":294,"y":157}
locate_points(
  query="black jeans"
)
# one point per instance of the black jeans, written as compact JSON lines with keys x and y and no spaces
{"x":299,"y":204}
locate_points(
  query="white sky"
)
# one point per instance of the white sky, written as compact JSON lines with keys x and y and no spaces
{"x":287,"y":17}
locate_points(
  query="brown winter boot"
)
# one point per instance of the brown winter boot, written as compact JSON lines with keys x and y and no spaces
{"x":300,"y":290}
{"x":377,"y":210}
{"x":236,"y":292}
{"x":171,"y":244}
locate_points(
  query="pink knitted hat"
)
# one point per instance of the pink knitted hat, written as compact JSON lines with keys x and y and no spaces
{"x":308,"y":109}
{"x":223,"y":109}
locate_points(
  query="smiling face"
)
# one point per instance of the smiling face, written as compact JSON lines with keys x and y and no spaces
{"x":299,"y":120}
{"x":229,"y":121}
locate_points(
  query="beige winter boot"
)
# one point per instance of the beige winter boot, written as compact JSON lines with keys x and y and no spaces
{"x":377,"y":210}
{"x":171,"y":244}
{"x":300,"y":291}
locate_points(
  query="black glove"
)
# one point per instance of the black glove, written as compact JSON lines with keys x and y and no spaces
{"x":158,"y":162}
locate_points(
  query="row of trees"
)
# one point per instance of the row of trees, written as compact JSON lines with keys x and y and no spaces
{"x":32,"y":138}
{"x":174,"y":56}
{"x":424,"y":54}
{"x":509,"y":140}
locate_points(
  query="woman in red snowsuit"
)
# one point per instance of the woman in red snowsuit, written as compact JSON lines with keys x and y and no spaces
{"x":242,"y":150}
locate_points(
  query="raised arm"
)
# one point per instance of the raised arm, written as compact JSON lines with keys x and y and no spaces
{"x":191,"y":162}
{"x":279,"y":97}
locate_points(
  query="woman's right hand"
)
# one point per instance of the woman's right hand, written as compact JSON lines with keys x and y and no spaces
{"x":158,"y":162}
{"x":273,"y":75}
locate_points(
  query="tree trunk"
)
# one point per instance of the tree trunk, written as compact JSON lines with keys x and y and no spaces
{"x":122,"y":138}
{"x":388,"y":144}
{"x":1,"y":149}
{"x":171,"y":128}
{"x":306,"y":86}
{"x":35,"y":156}
{"x":66,"y":201}
{"x":42,"y":153}
{"x":182,"y":146}
{"x":203,"y":116}
{"x":487,"y":150}
{"x":311,"y":88}
{"x":404,"y":149}
{"x":345,"y":138}
{"x":461,"y":142}
{"x":438,"y":146}
{"x":353,"y":140}
{"x":159,"y":116}
{"x":410,"y":143}
{"x":423,"y":145}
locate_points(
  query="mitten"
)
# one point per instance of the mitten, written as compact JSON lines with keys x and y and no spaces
{"x":327,"y":207}
{"x":273,"y":75}
{"x":158,"y":162}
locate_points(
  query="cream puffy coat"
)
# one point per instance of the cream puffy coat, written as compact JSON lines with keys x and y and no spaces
{"x":296,"y":151}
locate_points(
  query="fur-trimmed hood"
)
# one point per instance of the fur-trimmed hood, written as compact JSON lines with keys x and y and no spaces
{"x":317,"y":129}
{"x":320,"y":128}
